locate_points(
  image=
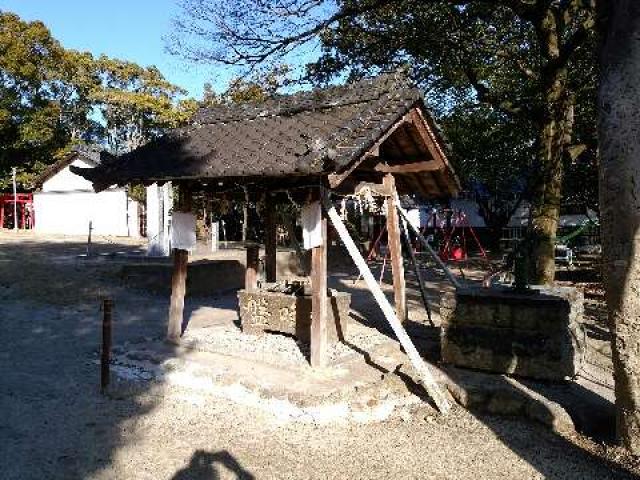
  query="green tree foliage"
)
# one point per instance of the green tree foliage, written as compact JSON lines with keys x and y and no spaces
{"x":136,"y":103}
{"x":492,"y":159}
{"x":51,"y":98}
{"x":30,"y":110}
{"x":521,"y":78}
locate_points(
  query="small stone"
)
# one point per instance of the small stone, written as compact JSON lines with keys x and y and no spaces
{"x":405,"y":416}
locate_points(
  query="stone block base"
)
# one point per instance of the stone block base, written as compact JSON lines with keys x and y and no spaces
{"x":263,"y":311}
{"x":536,"y":335}
{"x":204,"y":277}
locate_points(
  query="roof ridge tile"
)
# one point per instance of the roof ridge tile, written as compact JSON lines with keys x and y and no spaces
{"x":362,"y":91}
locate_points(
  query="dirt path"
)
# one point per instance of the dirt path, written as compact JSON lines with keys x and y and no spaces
{"x":55,"y":425}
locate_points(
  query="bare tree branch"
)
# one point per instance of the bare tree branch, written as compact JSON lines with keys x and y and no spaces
{"x":485,"y":95}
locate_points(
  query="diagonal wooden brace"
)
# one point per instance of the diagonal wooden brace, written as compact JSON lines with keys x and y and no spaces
{"x":426,"y":245}
{"x":427,"y":379}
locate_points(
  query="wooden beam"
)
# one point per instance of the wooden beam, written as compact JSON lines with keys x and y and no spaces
{"x":336,"y":179}
{"x":105,"y":358}
{"x":319,"y":300}
{"x":251,"y":273}
{"x":431,"y":140}
{"x":395,"y":248}
{"x":427,"y":379}
{"x":428,"y":137}
{"x":270,"y":244}
{"x":414,"y":167}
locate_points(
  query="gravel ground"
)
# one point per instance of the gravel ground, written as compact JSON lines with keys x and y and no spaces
{"x":55,"y":424}
{"x":283,"y":349}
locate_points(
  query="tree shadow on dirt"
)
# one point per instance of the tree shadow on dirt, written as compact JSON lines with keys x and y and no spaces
{"x":593,"y":415}
{"x":553,"y":455}
{"x":55,"y":424}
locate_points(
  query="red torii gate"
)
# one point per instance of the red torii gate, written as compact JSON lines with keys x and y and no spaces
{"x":24,"y":203}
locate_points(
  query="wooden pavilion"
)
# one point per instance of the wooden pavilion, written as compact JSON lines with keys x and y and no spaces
{"x":374,"y":132}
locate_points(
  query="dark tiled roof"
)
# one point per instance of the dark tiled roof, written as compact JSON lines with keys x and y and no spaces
{"x":91,"y":155}
{"x":308,"y":133}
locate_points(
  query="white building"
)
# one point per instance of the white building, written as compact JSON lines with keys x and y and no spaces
{"x":65,"y":203}
{"x":159,"y":205}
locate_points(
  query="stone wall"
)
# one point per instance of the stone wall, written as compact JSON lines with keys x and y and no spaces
{"x":535,"y":334}
{"x":262,"y":311}
{"x":204,"y":277}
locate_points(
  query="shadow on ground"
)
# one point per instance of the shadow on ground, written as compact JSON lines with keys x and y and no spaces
{"x":205,"y":466}
{"x":55,"y":424}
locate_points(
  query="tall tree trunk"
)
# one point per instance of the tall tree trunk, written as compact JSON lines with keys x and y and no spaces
{"x":619,"y":141}
{"x":555,"y":129}
{"x":547,"y":189}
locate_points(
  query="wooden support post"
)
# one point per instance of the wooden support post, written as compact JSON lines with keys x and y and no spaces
{"x":179,"y":278}
{"x":427,"y":379}
{"x":178,"y":290}
{"x":270,"y":244}
{"x":395,"y":248}
{"x":251,"y":274}
{"x":319,"y":300}
{"x":89,"y":239}
{"x":105,"y":358}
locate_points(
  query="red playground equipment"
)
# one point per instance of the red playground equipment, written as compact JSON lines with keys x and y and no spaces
{"x":454,"y":243}
{"x":23,"y":204}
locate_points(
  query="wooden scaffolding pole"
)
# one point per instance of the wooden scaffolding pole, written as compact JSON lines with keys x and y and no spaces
{"x":319,"y":300}
{"x":105,"y":357}
{"x":395,"y":248}
{"x":178,"y":290}
{"x":426,"y":377}
{"x":416,"y":269}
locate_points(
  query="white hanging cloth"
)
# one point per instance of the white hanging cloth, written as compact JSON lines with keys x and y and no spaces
{"x":183,"y":231}
{"x":310,"y":218}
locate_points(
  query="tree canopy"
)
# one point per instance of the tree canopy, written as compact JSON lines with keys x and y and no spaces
{"x":521,"y":71}
{"x":52,"y":97}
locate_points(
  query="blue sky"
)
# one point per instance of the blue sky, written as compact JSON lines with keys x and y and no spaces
{"x":127,"y":29}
